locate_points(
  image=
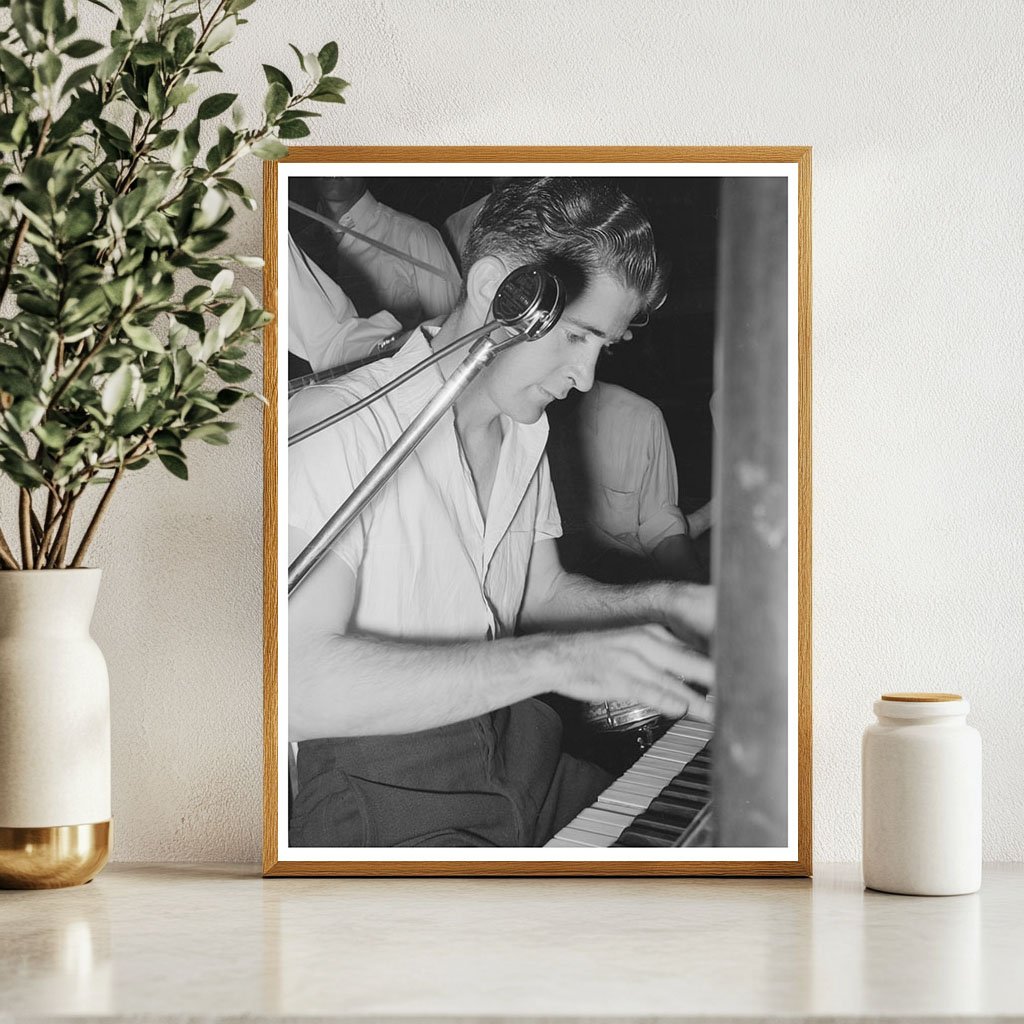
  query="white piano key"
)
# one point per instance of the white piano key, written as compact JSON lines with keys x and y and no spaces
{"x":584,"y":836}
{"x":600,"y":816}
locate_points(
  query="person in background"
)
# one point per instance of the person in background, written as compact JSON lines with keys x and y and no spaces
{"x":324,"y":329}
{"x":382,"y":259}
{"x":410,"y":694}
{"x":614,"y":474}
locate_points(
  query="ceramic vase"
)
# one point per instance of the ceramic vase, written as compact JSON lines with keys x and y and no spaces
{"x":54,"y":731}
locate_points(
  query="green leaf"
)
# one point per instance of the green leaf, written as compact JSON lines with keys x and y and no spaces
{"x":128,"y":421}
{"x":21,"y":471}
{"x":232,"y":319}
{"x":211,"y":433}
{"x":133,"y":13}
{"x":175,"y":464}
{"x":227,"y":397}
{"x":234,"y":6}
{"x":78,"y":78}
{"x":162,"y":139}
{"x":232,"y":373}
{"x":276,"y":100}
{"x":53,"y":435}
{"x":25,"y":17}
{"x":109,"y":65}
{"x":334,"y":84}
{"x":275,"y":76}
{"x":144,"y":338}
{"x":326,"y":96}
{"x":14,"y":68}
{"x":48,"y":68}
{"x":193,"y":379}
{"x":221,"y":35}
{"x":184,"y":44}
{"x":293,"y":130}
{"x":181,"y":94}
{"x":156,"y":99}
{"x":255,"y":262}
{"x":328,"y":57}
{"x":222,"y":282}
{"x":214,"y":105}
{"x":269,"y":149}
{"x":195,"y":296}
{"x":116,"y":390}
{"x":149,"y":53}
{"x":83,"y":48}
{"x":26,"y":413}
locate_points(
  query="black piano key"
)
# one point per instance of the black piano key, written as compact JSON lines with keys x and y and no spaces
{"x":637,"y":835}
{"x":673,"y":814}
{"x":683,"y":788}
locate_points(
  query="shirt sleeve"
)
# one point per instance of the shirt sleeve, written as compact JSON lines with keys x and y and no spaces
{"x":548,"y":524}
{"x":323,"y":327}
{"x":660,"y":516}
{"x":325,"y":468}
{"x":437,"y":295}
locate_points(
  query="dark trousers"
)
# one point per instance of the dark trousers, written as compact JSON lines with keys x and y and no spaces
{"x":497,"y":780}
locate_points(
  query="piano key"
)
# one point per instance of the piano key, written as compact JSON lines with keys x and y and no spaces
{"x":647,"y":835}
{"x":582,"y":837}
{"x":605,"y":817}
{"x":564,"y":841}
{"x":620,"y":809}
{"x":669,"y":812}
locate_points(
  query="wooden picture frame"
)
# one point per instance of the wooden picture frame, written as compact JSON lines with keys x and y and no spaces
{"x":761,"y":247}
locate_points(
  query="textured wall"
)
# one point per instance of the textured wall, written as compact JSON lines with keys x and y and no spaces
{"x":914,"y":113}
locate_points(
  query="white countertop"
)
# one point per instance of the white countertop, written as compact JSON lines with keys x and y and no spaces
{"x":173,"y":941}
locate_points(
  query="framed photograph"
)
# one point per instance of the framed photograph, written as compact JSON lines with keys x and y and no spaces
{"x":537,"y":518}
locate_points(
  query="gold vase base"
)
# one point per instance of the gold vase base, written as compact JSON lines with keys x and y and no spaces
{"x":54,"y":857}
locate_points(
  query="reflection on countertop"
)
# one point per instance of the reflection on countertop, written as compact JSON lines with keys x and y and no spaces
{"x":181,"y":940}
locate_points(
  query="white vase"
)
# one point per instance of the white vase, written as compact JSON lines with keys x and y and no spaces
{"x":54,"y":731}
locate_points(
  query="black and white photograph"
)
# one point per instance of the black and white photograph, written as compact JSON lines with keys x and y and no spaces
{"x":539,"y":493}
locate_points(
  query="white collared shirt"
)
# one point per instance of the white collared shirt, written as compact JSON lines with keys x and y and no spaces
{"x":429,"y":564}
{"x":616,"y":470}
{"x":323,"y":326}
{"x":375,"y":279}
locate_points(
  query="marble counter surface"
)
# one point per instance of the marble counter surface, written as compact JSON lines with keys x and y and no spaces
{"x":183,"y":941}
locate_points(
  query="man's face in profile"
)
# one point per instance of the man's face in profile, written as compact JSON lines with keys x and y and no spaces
{"x":526,"y":378}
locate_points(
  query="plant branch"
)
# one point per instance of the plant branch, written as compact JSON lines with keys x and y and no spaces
{"x":94,"y":523}
{"x":6,"y":554}
{"x":25,"y":522}
{"x":56,"y":556}
{"x":51,"y":522}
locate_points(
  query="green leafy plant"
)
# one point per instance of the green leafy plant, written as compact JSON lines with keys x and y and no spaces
{"x":124,"y":335}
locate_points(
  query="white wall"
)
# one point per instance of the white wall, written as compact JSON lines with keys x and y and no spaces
{"x":914,"y":113}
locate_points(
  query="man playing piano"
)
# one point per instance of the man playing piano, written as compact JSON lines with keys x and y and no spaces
{"x":410,"y":694}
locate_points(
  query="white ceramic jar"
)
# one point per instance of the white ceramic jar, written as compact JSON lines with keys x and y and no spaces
{"x":921,"y":790}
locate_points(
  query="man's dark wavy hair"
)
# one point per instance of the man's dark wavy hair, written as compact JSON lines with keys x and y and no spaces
{"x":574,"y":227}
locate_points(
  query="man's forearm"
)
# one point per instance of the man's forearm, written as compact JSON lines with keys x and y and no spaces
{"x":361,"y":686}
{"x":578,"y":602}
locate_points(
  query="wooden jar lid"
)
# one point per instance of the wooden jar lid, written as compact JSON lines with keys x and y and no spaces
{"x":920,"y":698}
